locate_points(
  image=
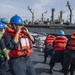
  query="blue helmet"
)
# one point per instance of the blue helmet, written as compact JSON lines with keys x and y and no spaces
{"x":2,"y":26}
{"x":16,"y":20}
{"x":61,"y":32}
{"x":4,"y":20}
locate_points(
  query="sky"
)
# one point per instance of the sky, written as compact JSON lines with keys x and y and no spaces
{"x":8,"y":8}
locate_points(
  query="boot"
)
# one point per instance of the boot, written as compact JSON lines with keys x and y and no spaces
{"x":44,"y":61}
{"x":51,"y":71}
{"x":65,"y":74}
{"x":71,"y":73}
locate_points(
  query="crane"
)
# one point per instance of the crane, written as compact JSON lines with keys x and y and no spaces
{"x":43,"y":15}
{"x":32,"y":14}
{"x":69,"y":6}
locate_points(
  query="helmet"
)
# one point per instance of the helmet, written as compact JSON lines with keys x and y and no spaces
{"x":16,"y":20}
{"x":61,"y":32}
{"x":4,"y":20}
{"x":2,"y":26}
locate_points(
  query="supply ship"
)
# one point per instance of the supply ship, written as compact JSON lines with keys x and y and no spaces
{"x":52,"y":26}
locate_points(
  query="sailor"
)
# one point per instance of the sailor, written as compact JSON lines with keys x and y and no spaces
{"x":19,"y":41}
{"x":59,"y":45}
{"x":48,"y":46}
{"x":69,"y":57}
{"x":3,"y":52}
{"x":6,"y":23}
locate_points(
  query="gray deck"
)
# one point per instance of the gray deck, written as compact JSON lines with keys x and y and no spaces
{"x":40,"y":67}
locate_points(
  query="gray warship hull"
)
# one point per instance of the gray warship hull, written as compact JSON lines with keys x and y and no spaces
{"x":52,"y":28}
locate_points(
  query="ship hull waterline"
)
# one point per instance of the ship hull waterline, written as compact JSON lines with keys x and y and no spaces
{"x":51,"y":29}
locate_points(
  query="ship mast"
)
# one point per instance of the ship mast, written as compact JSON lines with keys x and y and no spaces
{"x":32,"y":14}
{"x":52,"y":17}
{"x":61,"y":13}
{"x":43,"y":15}
{"x":69,"y":6}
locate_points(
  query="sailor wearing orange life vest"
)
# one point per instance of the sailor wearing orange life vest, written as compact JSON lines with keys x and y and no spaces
{"x":69,"y":57}
{"x":19,"y":41}
{"x":59,"y":45}
{"x":48,"y":46}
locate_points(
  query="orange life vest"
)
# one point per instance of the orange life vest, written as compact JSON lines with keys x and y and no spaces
{"x":24,"y":44}
{"x":49,"y":40}
{"x":71,"y":43}
{"x":60,"y":43}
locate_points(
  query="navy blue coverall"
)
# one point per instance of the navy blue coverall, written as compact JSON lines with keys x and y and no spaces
{"x":2,"y":59}
{"x":20,"y":65}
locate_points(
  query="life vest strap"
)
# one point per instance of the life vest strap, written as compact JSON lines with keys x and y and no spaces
{"x":70,"y":47}
{"x":49,"y":44}
{"x":24,"y":50}
{"x":20,"y":58}
{"x":60,"y":47}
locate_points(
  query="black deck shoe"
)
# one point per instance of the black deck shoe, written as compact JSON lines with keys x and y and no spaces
{"x":51,"y":71}
{"x":44,"y":62}
{"x":71,"y":73}
{"x":65,"y":74}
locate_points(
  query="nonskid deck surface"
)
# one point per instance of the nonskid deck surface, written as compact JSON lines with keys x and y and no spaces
{"x":41,"y":68}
